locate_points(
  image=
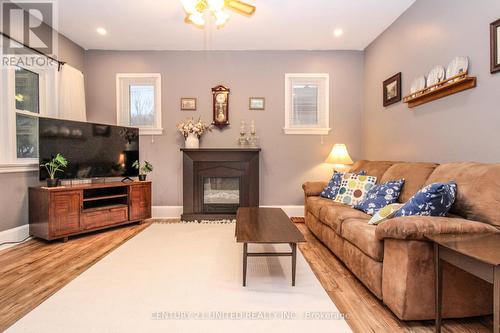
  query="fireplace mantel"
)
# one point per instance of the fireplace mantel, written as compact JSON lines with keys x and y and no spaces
{"x":237,"y":169}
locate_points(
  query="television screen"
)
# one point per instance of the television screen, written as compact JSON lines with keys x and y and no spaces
{"x":92,"y":150}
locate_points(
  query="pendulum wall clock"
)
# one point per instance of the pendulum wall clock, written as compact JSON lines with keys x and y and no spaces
{"x":221,"y":106}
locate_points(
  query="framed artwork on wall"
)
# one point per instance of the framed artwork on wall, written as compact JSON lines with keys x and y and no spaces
{"x":392,"y":90}
{"x":188,"y":104}
{"x":257,"y":103}
{"x":495,"y":46}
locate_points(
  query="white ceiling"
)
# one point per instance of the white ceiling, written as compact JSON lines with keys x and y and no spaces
{"x":276,"y":25}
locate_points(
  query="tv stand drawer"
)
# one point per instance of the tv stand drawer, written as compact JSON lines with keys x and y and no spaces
{"x":104,"y":217}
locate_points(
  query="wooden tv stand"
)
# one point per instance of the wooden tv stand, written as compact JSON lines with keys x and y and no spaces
{"x":60,"y":212}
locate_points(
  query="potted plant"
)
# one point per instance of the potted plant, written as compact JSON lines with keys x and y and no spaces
{"x":53,"y":166}
{"x":143,"y":169}
{"x":192,"y":131}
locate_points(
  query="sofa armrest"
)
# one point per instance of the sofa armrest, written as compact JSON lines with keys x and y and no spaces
{"x":417,"y":227}
{"x":313,"y":188}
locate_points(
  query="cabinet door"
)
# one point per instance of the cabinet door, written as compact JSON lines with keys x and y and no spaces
{"x":65,"y":213}
{"x":140,"y":202}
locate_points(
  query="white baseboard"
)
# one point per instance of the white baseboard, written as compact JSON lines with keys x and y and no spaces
{"x":291,"y":210}
{"x":167,"y":212}
{"x":174,"y":212}
{"x":13,"y":235}
{"x":164,"y":212}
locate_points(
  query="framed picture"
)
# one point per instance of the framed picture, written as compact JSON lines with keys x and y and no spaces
{"x":495,"y":46}
{"x":188,"y":104}
{"x":257,"y":103}
{"x":392,"y":90}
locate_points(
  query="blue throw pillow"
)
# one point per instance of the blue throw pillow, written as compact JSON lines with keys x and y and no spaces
{"x":433,"y":200}
{"x":380,"y":196}
{"x":332,"y":189}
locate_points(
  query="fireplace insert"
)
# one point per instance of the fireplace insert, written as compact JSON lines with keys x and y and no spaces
{"x":221,"y":194}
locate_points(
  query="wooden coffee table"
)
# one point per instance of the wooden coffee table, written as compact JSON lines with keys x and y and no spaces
{"x":266,"y":226}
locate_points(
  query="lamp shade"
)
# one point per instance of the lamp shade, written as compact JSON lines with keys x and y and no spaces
{"x":339,"y":155}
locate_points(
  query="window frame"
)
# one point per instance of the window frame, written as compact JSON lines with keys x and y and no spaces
{"x":48,"y":106}
{"x":10,"y":161}
{"x":42,"y":108}
{"x":157,"y":129}
{"x":321,"y":129}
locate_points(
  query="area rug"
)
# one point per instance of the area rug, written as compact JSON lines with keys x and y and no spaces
{"x":188,"y":278}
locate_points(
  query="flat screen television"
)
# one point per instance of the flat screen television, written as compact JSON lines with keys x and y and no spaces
{"x":92,"y":150}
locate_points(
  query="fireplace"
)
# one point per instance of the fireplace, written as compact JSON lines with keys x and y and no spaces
{"x":217,"y":181}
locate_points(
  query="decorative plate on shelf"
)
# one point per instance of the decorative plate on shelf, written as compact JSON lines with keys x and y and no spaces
{"x":457,"y":66}
{"x":436,"y":75}
{"x":417,"y":84}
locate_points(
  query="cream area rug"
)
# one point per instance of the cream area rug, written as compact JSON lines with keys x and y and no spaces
{"x":188,"y":278}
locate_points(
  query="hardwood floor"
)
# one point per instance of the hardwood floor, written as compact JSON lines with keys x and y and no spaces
{"x":31,"y":272}
{"x":364,"y":311}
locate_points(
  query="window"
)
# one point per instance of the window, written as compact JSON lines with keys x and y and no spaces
{"x":139,"y":102}
{"x":28,"y":90}
{"x":307,"y":106}
{"x":27,"y":103}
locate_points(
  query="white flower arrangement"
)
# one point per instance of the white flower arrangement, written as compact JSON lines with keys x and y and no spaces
{"x":190,"y":126}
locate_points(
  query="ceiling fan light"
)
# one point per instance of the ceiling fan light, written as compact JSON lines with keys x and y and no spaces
{"x":189,"y":6}
{"x":221,"y":18}
{"x":216,"y":5}
{"x":197,"y":19}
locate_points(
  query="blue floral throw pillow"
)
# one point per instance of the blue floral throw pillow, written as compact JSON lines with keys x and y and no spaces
{"x":433,"y":200}
{"x":380,"y":196}
{"x":332,"y":189}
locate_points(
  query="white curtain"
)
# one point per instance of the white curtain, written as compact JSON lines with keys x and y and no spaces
{"x":71,"y":94}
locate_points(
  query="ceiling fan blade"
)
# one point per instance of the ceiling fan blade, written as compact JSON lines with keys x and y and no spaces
{"x":240,"y":7}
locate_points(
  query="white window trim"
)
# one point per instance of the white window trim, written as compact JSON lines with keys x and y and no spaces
{"x":289,"y":129}
{"x":10,"y":163}
{"x":157,"y":130}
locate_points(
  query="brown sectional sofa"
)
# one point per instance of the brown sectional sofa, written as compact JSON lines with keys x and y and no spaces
{"x":394,"y":260}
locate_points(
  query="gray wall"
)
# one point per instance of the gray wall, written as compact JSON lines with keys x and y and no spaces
{"x":286,"y":160}
{"x":457,"y":128}
{"x":14,"y":194}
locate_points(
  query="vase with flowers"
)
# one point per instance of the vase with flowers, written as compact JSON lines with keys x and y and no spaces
{"x":192,"y":130}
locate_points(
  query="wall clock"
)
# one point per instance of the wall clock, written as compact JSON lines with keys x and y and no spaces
{"x":221,"y":106}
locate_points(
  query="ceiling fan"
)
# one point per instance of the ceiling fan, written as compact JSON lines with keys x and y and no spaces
{"x":195,"y":10}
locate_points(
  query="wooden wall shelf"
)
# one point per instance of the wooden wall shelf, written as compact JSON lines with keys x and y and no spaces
{"x":442,"y":89}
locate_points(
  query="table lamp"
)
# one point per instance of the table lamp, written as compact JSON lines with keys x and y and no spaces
{"x":339,"y":157}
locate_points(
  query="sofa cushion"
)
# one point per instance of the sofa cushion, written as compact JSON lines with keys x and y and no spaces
{"x":478,"y":196}
{"x":385,"y":213}
{"x":417,"y":227}
{"x":372,"y":168}
{"x":362,"y":235}
{"x":434,"y":199}
{"x":334,"y":216}
{"x":354,"y":188}
{"x":380,"y":196}
{"x":414,"y":174}
{"x":316,"y":204}
{"x":332,"y":189}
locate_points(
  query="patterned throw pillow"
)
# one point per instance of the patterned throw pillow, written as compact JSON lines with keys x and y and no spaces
{"x":433,"y":200}
{"x":353,"y":188}
{"x":380,"y":196}
{"x":385,"y":213}
{"x":332,"y":189}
